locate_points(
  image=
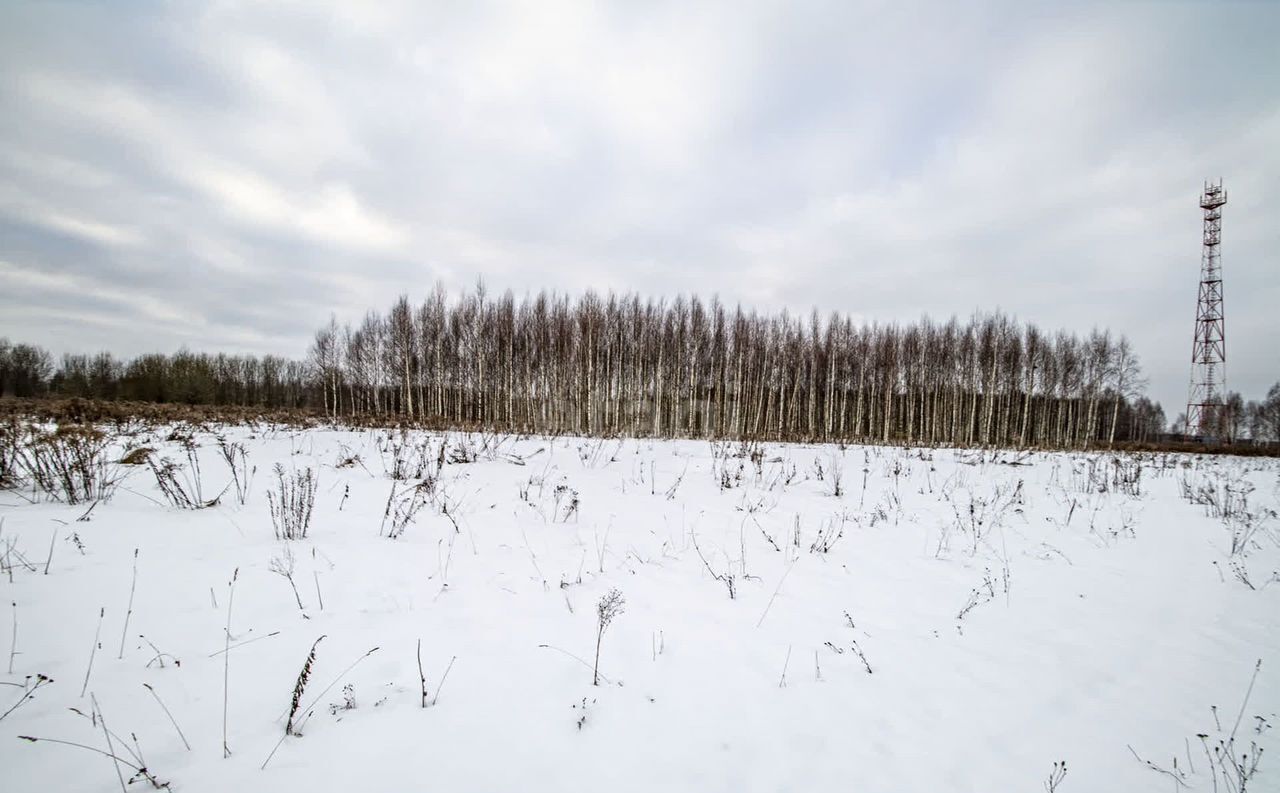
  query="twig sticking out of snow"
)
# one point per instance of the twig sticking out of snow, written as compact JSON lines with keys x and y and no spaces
{"x":776,"y":590}
{"x":172,"y":720}
{"x":129,"y":611}
{"x":422,"y":678}
{"x":92,"y":652}
{"x":13,"y":646}
{"x":1177,"y":775}
{"x":283,"y":566}
{"x":49,"y":560}
{"x":110,"y":748}
{"x":587,"y":664}
{"x":443,"y":678}
{"x":319,"y":597}
{"x":140,"y":772}
{"x":861,"y":657}
{"x":27,"y":693}
{"x":242,"y":644}
{"x":728,"y":579}
{"x":226,"y":661}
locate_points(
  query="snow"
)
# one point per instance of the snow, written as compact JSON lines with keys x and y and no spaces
{"x":1113,"y":621}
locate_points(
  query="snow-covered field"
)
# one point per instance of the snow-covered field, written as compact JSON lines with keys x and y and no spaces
{"x":795,"y":618}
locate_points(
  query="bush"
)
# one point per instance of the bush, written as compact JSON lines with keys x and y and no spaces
{"x":292,"y":502}
{"x":69,"y":464}
{"x":10,"y":434}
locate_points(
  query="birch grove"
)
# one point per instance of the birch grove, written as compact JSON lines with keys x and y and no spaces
{"x":625,"y":365}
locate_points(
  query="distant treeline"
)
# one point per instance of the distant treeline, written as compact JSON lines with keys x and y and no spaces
{"x":622,"y":364}
{"x":182,"y":378}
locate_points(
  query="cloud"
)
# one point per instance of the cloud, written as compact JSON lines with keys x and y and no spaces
{"x":223,"y":176}
{"x":83,"y":228}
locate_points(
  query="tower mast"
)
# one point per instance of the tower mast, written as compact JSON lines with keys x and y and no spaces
{"x":1209,"y":347}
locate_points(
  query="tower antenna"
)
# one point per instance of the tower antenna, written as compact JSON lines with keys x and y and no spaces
{"x":1209,"y":348}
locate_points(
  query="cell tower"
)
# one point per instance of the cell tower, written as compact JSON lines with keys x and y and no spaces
{"x":1209,"y":349}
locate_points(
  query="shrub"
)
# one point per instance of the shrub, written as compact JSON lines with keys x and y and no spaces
{"x":69,"y":464}
{"x":10,"y":434}
{"x":292,"y":502}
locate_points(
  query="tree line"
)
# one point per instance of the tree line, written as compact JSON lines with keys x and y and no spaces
{"x":623,"y":364}
{"x":182,"y":378}
{"x":606,"y":364}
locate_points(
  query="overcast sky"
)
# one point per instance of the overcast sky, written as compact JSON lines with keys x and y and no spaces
{"x":222,"y":176}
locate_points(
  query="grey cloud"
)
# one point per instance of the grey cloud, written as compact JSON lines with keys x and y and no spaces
{"x":223,"y":176}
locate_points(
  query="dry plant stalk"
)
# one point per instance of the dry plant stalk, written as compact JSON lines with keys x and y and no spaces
{"x":129,"y":612}
{"x":93,"y":651}
{"x":611,"y":605}
{"x":226,"y":662}
{"x":299,"y":688}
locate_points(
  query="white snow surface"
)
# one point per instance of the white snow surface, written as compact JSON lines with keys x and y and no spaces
{"x":1105,"y":624}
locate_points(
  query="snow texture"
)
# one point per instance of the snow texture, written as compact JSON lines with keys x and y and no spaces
{"x":795,"y":618}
